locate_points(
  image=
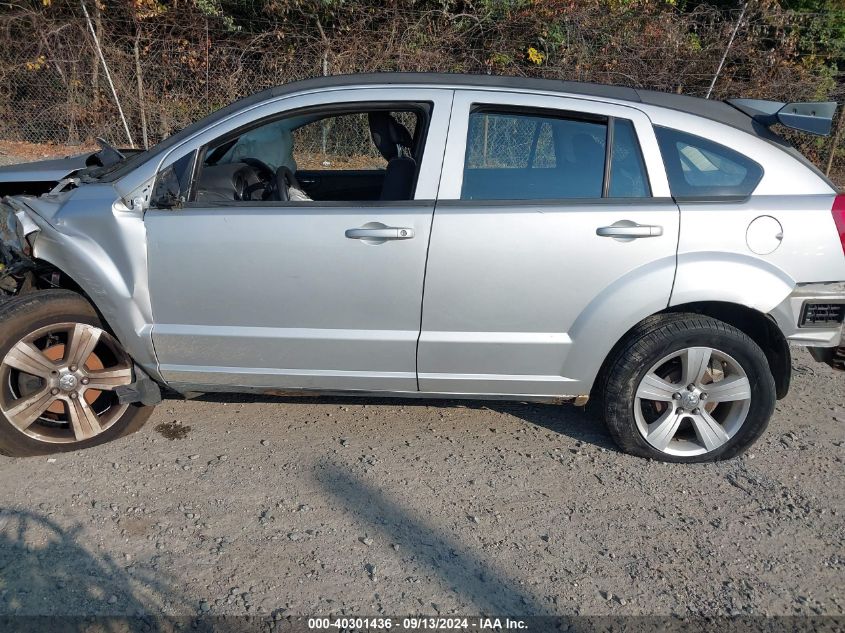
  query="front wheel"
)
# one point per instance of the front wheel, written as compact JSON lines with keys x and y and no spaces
{"x":59,"y":369}
{"x":688,"y":388}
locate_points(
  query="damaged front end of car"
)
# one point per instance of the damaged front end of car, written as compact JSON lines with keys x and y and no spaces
{"x":19,"y":271}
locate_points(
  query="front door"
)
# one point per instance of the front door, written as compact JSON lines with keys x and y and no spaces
{"x":309,"y":294}
{"x":545,"y":246}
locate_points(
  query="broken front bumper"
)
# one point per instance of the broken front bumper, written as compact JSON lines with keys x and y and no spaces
{"x":15,"y":249}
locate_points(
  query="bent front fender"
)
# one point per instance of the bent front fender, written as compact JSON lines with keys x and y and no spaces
{"x":16,"y":229}
{"x":104,"y":252}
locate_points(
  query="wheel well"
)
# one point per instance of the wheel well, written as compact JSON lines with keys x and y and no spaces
{"x":46,"y":276}
{"x":42,"y":275}
{"x":761,"y":328}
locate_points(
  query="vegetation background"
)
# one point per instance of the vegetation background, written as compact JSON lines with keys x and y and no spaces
{"x":173,"y":61}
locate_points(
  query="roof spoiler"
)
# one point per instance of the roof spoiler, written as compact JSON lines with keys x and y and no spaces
{"x":812,"y":117}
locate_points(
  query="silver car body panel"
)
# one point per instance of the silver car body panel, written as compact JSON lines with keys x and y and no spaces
{"x":486,"y":328}
{"x":333,"y":312}
{"x":518,"y":299}
{"x":91,"y":235}
{"x":715,"y":262}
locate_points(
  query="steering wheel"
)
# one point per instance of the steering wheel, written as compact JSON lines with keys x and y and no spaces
{"x":265,"y":175}
{"x":284,"y":179}
{"x":262,"y":169}
{"x":108,"y":155}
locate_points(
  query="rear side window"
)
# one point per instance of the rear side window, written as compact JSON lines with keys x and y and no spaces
{"x":627,"y":169}
{"x":697,"y":167}
{"x":538,"y":156}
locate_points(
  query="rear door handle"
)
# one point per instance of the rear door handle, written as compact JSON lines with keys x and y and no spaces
{"x":385,"y":233}
{"x":627,"y":230}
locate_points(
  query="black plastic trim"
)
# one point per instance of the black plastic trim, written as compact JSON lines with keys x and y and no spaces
{"x":608,"y":157}
{"x":824,"y":324}
{"x":310,"y":204}
{"x":560,"y":202}
{"x":711,"y":199}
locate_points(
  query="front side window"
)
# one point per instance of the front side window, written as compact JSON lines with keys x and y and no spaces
{"x":372,"y":153}
{"x":344,"y":142}
{"x":539,"y":156}
{"x":698,"y":167}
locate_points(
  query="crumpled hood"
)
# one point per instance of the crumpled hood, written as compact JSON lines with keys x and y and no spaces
{"x":51,"y":170}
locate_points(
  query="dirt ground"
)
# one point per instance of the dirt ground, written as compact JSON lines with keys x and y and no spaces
{"x":254,"y":505}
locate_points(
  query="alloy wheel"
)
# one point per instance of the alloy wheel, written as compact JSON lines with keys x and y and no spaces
{"x":692,"y":401}
{"x":57,"y":383}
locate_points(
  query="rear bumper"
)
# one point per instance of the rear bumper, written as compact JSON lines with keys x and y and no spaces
{"x":833,"y":356}
{"x":788,"y":315}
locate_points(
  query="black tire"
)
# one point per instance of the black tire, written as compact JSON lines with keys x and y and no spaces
{"x":19,"y":317}
{"x":659,"y":337}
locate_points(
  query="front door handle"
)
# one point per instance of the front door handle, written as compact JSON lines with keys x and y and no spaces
{"x":627,"y":230}
{"x":380,"y":233}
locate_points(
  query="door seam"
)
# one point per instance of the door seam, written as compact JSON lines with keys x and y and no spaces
{"x":428,"y":245}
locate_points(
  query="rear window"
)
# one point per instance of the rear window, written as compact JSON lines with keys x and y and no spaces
{"x":699,"y":168}
{"x":538,"y":156}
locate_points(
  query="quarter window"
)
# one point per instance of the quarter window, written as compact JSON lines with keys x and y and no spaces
{"x":530,"y":156}
{"x":698,"y":167}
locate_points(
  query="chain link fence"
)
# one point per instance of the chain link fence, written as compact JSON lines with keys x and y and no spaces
{"x":171,"y":68}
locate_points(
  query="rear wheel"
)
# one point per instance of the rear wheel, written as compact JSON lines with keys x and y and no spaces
{"x":688,"y":388}
{"x":59,"y":369}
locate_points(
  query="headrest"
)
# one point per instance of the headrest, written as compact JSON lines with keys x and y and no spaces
{"x":389,"y":136}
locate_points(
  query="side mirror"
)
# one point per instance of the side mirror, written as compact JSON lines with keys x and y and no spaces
{"x":173,"y":183}
{"x":167,"y":193}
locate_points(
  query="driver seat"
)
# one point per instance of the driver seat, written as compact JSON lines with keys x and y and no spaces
{"x":393,"y":141}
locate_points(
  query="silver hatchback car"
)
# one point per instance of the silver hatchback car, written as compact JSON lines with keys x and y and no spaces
{"x":430,"y":236}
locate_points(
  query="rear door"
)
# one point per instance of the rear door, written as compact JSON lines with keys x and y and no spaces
{"x":544,"y":244}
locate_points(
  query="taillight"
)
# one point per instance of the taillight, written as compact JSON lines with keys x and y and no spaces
{"x":838,"y":211}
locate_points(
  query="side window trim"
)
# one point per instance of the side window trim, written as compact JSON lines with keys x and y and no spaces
{"x":608,"y":157}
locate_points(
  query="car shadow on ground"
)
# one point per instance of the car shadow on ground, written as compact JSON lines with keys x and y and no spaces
{"x":574,"y":422}
{"x":487,"y":590}
{"x":49,"y":581}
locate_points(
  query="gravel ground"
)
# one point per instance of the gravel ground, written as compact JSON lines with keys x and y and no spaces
{"x":316,"y":506}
